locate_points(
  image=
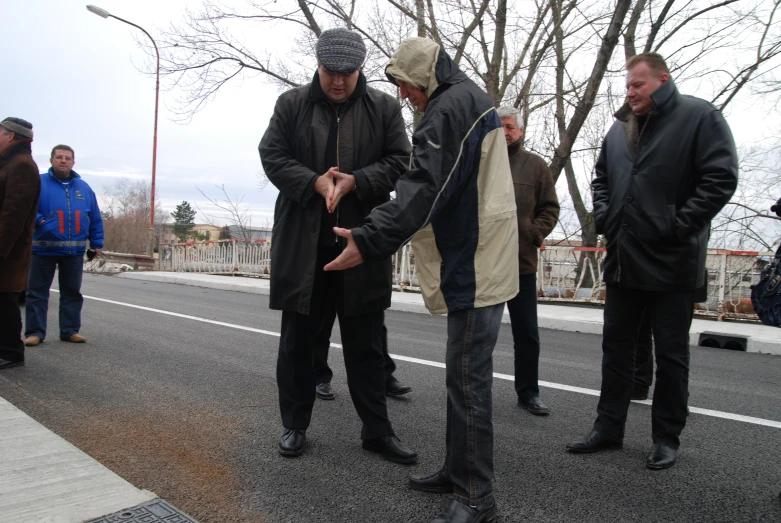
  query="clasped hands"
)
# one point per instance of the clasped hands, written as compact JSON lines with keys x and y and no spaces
{"x":333,"y":185}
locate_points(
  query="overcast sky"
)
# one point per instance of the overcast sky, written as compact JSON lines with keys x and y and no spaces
{"x":77,"y":78}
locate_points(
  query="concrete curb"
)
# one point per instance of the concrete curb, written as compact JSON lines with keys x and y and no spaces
{"x":568,"y":318}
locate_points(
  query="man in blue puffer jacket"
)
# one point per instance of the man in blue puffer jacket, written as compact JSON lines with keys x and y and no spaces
{"x":68,"y":216}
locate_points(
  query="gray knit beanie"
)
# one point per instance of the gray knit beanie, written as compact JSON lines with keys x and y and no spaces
{"x":18,"y":126}
{"x":340,"y":50}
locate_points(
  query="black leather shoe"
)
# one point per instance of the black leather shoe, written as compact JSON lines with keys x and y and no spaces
{"x":534,"y":405}
{"x":594,"y":442}
{"x":436,"y":483}
{"x":640,"y":393}
{"x":391,"y":449}
{"x":661,"y":457}
{"x":4,"y":364}
{"x":324,"y":391}
{"x":394,"y":388}
{"x":292,"y":442}
{"x":459,"y":512}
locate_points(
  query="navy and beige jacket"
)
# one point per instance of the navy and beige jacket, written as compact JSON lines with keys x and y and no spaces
{"x":68,"y":216}
{"x":457,"y":197}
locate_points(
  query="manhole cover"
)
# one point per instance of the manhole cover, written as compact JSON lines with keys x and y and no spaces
{"x":153,"y":511}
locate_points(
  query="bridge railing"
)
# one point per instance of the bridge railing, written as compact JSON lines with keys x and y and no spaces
{"x":565,"y":273}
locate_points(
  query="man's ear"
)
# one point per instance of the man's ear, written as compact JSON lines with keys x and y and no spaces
{"x":664,"y":77}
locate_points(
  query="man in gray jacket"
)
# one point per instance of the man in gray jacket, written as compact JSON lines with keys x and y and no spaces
{"x":667,"y":167}
{"x":457,"y":201}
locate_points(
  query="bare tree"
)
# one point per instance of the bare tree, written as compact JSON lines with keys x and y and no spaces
{"x":553,"y":59}
{"x":125,"y":210}
{"x":237,"y":214}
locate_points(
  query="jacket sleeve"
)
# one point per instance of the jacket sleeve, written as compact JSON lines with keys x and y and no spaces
{"x":600,"y":190}
{"x":716,"y":163}
{"x":546,"y":212}
{"x":293,"y":179}
{"x":95,"y":224}
{"x":395,"y":222}
{"x":379,"y":178}
{"x":20,"y":200}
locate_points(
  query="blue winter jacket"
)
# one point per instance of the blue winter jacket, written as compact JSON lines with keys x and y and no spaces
{"x":68,"y":216}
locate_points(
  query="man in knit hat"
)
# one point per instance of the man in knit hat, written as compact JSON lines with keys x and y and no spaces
{"x":20,"y":186}
{"x":334,"y":148}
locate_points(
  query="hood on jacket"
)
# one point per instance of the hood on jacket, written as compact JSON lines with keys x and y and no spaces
{"x":422,"y":63}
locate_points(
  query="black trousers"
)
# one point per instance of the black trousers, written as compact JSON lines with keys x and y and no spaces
{"x":323,"y":373}
{"x":526,"y":337}
{"x":362,"y":342}
{"x":11,"y":344}
{"x":644,"y":356}
{"x":670,"y":316}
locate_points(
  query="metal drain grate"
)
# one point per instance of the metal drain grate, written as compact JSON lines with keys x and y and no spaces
{"x":153,"y":511}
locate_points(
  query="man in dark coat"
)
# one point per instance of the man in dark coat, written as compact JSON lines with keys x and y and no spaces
{"x":334,"y":149}
{"x":20,"y":186}
{"x":538,"y":211}
{"x":667,"y":167}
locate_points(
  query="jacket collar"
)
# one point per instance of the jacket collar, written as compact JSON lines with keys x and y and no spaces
{"x":316,"y":92}
{"x":20,"y":147}
{"x":72,"y":177}
{"x":514,"y":147}
{"x":665,"y":99}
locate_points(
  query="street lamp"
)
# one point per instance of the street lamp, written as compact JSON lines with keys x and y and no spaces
{"x":105,"y":14}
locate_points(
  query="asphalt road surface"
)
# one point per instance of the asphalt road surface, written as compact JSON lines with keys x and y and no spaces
{"x":188,"y":409}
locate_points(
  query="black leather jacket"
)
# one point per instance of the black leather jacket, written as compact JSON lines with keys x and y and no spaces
{"x":658,"y":185}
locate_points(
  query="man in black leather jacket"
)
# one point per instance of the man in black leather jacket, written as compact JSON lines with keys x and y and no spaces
{"x":667,"y":167}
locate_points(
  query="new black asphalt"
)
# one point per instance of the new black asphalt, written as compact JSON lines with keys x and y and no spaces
{"x":189,"y":410}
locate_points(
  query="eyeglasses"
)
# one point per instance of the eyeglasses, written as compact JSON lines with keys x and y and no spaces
{"x":66,"y":158}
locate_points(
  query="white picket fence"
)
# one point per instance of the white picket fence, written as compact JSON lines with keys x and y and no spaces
{"x":565,"y":273}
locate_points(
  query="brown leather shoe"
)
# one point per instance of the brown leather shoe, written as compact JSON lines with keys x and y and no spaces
{"x":75,"y":338}
{"x":32,"y":341}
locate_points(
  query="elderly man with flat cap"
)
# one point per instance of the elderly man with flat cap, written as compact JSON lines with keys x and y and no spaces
{"x":334,"y":148}
{"x":20,"y":186}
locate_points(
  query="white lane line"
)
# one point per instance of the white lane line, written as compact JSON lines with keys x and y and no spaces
{"x":559,"y":386}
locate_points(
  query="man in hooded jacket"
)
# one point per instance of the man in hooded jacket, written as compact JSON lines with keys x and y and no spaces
{"x":334,"y":148}
{"x":457,"y":200}
{"x":666,"y":168}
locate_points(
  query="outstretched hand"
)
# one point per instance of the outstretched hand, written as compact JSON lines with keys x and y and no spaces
{"x":350,"y":256}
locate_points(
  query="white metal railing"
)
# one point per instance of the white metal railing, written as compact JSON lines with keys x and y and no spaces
{"x":564,"y":273}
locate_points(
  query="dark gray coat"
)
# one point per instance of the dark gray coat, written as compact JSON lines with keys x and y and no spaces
{"x":373,"y":145}
{"x":657,"y":189}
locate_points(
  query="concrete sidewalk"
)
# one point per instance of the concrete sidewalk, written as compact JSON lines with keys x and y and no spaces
{"x":568,"y":317}
{"x":46,"y":479}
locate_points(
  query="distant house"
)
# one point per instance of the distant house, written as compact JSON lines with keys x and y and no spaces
{"x":165,"y":233}
{"x":251,"y":233}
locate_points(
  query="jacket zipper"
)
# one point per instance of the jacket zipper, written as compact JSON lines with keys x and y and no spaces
{"x":338,"y":120}
{"x":68,"y":199}
{"x":617,"y":277}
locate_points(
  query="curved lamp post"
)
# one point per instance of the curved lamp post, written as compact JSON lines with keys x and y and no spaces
{"x":105,"y":14}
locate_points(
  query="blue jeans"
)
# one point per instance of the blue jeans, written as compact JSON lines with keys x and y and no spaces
{"x":37,"y":302}
{"x":471,"y":337}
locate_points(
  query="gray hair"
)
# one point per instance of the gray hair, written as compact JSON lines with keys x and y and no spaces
{"x":508,"y":110}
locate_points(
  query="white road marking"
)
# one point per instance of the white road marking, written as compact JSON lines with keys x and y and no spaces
{"x":559,"y":386}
